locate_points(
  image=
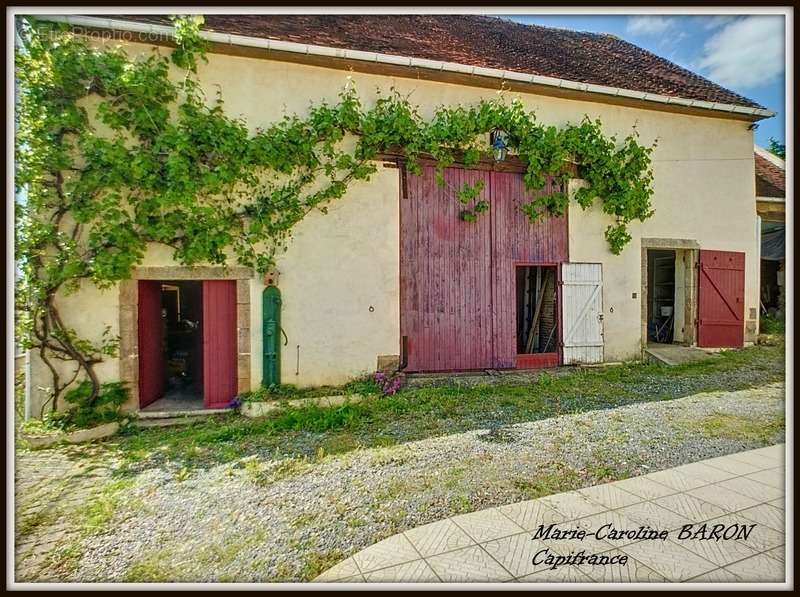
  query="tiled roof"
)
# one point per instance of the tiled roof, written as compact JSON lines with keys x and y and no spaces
{"x":770,"y":179}
{"x":489,"y":42}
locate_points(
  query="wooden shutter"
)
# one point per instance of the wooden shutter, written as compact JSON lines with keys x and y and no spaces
{"x":582,"y":312}
{"x":219,"y":343}
{"x":720,"y":314}
{"x":152,"y":368}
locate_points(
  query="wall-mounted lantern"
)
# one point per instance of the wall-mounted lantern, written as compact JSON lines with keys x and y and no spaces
{"x":498,"y":139}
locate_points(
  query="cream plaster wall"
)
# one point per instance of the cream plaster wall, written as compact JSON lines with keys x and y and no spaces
{"x":340,"y":264}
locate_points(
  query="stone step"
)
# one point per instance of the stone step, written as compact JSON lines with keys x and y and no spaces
{"x":674,"y":354}
{"x":167,"y":422}
{"x":168,"y":414}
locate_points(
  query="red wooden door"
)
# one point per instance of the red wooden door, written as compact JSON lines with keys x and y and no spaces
{"x":457,"y":279}
{"x":720,"y":315}
{"x":445,"y":275}
{"x":517,"y":241}
{"x":219,"y":343}
{"x":152,"y":368}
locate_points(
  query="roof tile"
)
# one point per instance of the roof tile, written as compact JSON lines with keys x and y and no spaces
{"x":770,"y":179}
{"x":483,"y":41}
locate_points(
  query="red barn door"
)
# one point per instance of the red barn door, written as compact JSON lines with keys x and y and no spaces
{"x":457,"y":278}
{"x":445,"y":275}
{"x":152,"y":370}
{"x":219,"y":342}
{"x":720,"y":316}
{"x":516,"y":240}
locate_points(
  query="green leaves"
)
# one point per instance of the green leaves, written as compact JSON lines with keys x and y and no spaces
{"x":617,"y":237}
{"x":469,"y":192}
{"x":190,"y":45}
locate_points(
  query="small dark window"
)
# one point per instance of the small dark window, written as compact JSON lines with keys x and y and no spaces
{"x":537,"y":309}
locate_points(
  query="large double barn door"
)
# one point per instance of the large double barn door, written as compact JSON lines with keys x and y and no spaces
{"x":457,"y":278}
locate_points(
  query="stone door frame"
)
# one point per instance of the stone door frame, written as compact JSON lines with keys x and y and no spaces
{"x":129,"y":319}
{"x":691,"y":248}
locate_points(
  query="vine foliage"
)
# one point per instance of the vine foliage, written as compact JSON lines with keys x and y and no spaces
{"x":115,"y":151}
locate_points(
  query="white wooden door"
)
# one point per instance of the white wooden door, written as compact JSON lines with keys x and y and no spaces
{"x":582,"y":312}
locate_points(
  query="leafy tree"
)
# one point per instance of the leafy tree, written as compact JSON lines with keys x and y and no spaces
{"x":779,"y":149}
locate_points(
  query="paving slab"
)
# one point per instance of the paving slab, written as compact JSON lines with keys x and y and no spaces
{"x":724,"y":522}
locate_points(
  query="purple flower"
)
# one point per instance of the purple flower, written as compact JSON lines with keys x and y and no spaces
{"x":388,"y":384}
{"x":235,"y":403}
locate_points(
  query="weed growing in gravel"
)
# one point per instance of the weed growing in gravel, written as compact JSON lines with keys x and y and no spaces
{"x":730,"y":426}
{"x":151,"y":568}
{"x":315,"y":563}
{"x":390,"y":456}
{"x":64,"y":560}
{"x":267,"y":473}
{"x":222,"y":553}
{"x":26,"y":525}
{"x":460,"y":503}
{"x":557,"y":478}
{"x":100,"y":511}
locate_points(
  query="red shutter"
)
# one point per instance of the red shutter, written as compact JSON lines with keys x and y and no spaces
{"x":720,"y":317}
{"x":219,"y":342}
{"x":152,"y":370}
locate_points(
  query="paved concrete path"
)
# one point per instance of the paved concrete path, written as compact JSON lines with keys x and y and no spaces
{"x":498,"y":544}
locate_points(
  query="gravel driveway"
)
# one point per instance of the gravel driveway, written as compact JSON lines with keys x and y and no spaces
{"x":269,"y":518}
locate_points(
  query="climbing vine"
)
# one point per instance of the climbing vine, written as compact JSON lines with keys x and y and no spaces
{"x":115,"y":152}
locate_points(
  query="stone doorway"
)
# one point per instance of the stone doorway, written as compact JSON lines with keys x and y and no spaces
{"x":129,"y":324}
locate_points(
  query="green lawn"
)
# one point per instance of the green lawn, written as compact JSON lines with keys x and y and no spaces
{"x":424,"y":412}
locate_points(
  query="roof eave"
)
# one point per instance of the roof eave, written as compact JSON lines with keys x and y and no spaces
{"x":421,"y":63}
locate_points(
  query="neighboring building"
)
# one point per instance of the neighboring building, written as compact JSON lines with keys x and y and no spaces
{"x":770,"y":173}
{"x":366,"y":285}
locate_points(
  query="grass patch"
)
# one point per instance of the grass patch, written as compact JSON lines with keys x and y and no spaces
{"x":151,"y":568}
{"x":267,"y":473}
{"x":220,"y":555}
{"x":364,"y":386}
{"x":546,"y":482}
{"x":64,"y":560}
{"x":315,"y":563}
{"x":731,"y":426}
{"x":26,"y":525}
{"x":772,"y":325}
{"x":100,"y":511}
{"x":418,"y":413}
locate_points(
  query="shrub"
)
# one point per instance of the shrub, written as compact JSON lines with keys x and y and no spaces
{"x":84,"y":413}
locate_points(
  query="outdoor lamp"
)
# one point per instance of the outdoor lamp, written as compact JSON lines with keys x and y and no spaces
{"x":497,"y":139}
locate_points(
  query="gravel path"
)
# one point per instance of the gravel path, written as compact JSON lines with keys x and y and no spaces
{"x":269,"y":518}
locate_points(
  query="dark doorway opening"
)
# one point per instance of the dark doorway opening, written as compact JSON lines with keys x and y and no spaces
{"x":661,"y":296}
{"x":537,"y":315}
{"x":181,"y":346}
{"x":770,"y":289}
{"x":182,"y":311}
